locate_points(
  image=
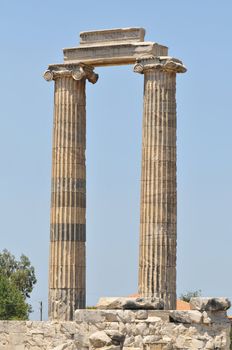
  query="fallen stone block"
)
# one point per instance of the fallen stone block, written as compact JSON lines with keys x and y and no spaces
{"x":210,"y":304}
{"x":115,"y":303}
{"x":190,"y":316}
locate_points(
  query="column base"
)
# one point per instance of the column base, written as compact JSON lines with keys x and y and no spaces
{"x":63,"y":303}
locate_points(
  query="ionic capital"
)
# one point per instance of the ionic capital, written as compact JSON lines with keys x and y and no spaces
{"x":76,"y":71}
{"x":163,"y":63}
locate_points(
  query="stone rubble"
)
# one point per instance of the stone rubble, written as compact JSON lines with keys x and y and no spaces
{"x":97,"y":329}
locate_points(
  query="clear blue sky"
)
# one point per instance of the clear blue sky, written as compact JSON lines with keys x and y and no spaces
{"x":32,"y":35}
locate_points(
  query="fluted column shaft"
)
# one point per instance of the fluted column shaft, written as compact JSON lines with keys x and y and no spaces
{"x":67,"y":268}
{"x":157,"y":254}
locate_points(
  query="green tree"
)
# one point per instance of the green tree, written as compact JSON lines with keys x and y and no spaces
{"x":12,"y":302}
{"x":19,"y":277}
{"x":188,"y":295}
{"x":21,"y":273}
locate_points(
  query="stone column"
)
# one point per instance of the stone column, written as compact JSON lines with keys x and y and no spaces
{"x":157,"y":254}
{"x":67,"y":265}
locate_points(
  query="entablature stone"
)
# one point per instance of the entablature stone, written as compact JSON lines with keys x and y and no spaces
{"x":113,"y":54}
{"x":104,"y":36}
{"x":112,"y":47}
{"x":76,"y":71}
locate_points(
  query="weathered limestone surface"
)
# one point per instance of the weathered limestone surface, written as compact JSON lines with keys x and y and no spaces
{"x":157,"y":259}
{"x":68,"y":198}
{"x":112,"y":47}
{"x":118,"y":330}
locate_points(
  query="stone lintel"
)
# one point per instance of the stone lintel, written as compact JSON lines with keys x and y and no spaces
{"x":112,"y":35}
{"x":113,"y":54}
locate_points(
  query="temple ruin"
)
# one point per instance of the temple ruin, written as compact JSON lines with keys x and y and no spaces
{"x":157,"y":257}
{"x":149,"y":322}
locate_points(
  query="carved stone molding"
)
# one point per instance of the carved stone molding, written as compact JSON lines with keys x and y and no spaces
{"x":76,"y":71}
{"x":163,"y":63}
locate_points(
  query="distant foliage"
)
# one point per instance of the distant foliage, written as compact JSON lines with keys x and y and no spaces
{"x":17,"y":279}
{"x":12,"y":302}
{"x":188,"y":295}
